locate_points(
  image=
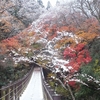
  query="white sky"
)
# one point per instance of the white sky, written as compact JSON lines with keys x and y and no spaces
{"x":53,"y":2}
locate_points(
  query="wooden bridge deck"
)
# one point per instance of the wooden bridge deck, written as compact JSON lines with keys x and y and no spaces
{"x":34,"y":89}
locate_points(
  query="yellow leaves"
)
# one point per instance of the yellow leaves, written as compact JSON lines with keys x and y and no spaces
{"x":96,"y":62}
{"x":63,"y":42}
{"x":36,"y":45}
{"x":78,"y":37}
{"x":31,"y":33}
{"x":86,"y":37}
{"x":51,"y":75}
{"x":5,"y":26}
{"x":97,"y":69}
{"x":60,"y":43}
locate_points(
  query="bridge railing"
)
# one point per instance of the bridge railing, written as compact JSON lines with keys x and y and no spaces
{"x":49,"y":93}
{"x":14,"y":90}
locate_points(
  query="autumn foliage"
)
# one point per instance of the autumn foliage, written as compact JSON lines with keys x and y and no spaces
{"x":77,"y":56}
{"x":11,"y":42}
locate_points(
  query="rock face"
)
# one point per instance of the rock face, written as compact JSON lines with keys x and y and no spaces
{"x":15,"y":15}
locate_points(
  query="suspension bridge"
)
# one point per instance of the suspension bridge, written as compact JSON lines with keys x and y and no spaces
{"x":31,"y":87}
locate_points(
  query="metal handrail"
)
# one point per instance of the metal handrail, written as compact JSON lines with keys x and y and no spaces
{"x":49,"y":95}
{"x":15,"y":89}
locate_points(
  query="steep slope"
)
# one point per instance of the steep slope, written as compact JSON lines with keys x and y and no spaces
{"x":30,"y":11}
{"x":15,"y":15}
{"x":9,"y":25}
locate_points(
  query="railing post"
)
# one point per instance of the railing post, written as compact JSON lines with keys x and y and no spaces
{"x":3,"y":94}
{"x":18,"y":91}
{"x":15,"y":91}
{"x":8,"y":94}
{"x":12,"y":93}
{"x":22,"y":87}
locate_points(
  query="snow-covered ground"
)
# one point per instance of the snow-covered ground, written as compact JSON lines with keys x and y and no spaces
{"x":34,"y":89}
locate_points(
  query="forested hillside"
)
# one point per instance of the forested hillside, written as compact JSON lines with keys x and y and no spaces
{"x":16,"y":15}
{"x":64,"y":39}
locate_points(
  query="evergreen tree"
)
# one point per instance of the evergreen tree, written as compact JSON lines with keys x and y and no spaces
{"x":48,"y":5}
{"x":40,"y":3}
{"x":57,"y":3}
{"x":90,"y":74}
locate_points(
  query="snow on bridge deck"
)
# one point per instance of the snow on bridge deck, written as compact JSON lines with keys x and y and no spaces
{"x":34,"y":89}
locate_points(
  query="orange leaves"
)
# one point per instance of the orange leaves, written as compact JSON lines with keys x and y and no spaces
{"x":65,"y":41}
{"x":52,"y":31}
{"x":8,"y":44}
{"x":86,"y":37}
{"x":69,"y":28}
{"x":63,"y":28}
{"x":31,"y":33}
{"x":11,"y":42}
{"x":22,"y":41}
{"x":88,"y":31}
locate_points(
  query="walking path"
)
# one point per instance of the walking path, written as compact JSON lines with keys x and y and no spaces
{"x":34,"y":89}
